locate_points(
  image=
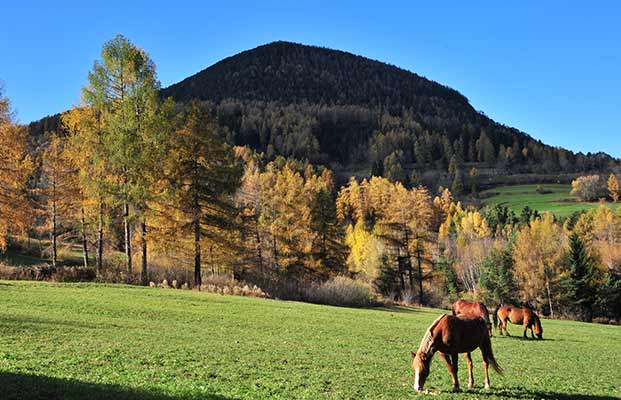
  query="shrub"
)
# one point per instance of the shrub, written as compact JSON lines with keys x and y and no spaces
{"x":586,"y":188}
{"x":47,"y":273}
{"x":342,"y":291}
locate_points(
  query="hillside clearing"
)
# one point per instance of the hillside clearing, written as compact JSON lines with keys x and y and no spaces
{"x":556,"y":200}
{"x":111,"y":342}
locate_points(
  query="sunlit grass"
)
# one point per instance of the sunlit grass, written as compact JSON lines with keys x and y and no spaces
{"x":108,"y":341}
{"x":559,"y":201}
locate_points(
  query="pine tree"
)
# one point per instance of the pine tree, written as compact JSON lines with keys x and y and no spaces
{"x":582,"y":282}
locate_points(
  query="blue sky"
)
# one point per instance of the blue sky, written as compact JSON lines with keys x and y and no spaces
{"x":549,"y":68}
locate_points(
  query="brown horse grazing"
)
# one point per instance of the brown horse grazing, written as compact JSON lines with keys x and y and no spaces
{"x":450,"y":336}
{"x":524,"y":316}
{"x":469,"y":310}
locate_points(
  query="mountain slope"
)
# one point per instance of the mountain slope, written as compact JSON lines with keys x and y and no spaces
{"x":290,"y":72}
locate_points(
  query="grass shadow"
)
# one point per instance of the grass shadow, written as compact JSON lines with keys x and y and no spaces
{"x":395,"y":309}
{"x":14,"y":386}
{"x":527,"y":394}
{"x":31,"y":320}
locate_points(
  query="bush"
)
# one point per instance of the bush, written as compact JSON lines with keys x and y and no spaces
{"x":47,"y":273}
{"x":342,"y":291}
{"x":587,"y":188}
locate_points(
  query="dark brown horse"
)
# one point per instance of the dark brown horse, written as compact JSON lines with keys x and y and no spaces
{"x":470,"y":310}
{"x":450,"y":336}
{"x":519,"y":316}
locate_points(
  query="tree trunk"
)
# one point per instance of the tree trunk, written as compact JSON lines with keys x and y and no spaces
{"x":197,"y":255}
{"x":84,"y":241}
{"x":549,"y":296}
{"x":259,"y":253}
{"x":100,"y":239}
{"x":143,"y":238}
{"x":54,"y":253}
{"x":211,"y":261}
{"x":420,"y":277}
{"x":128,"y":245}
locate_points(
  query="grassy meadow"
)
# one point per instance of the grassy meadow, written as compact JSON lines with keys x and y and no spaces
{"x":74,"y":341}
{"x":558,"y":201}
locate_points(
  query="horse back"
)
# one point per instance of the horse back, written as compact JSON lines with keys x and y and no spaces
{"x":455,"y":335}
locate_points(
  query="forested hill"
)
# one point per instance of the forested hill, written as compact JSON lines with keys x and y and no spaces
{"x":293,"y":73}
{"x":357,"y":114}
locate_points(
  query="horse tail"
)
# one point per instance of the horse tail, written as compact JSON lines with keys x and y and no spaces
{"x":495,"y":315}
{"x":486,"y":318}
{"x":488,"y":354}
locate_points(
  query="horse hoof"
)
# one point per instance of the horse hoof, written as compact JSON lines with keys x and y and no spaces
{"x":487,"y":386}
{"x":456,"y":389}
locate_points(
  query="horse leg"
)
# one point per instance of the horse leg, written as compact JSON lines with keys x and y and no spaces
{"x":448,"y":359}
{"x":470,"y":375}
{"x":532,"y":334}
{"x":455,"y":360}
{"x":485,"y":368}
{"x":525,"y":329}
{"x":505,"y":323}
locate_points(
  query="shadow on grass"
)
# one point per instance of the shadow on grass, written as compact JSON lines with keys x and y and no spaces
{"x":394,"y":309}
{"x":44,"y":323}
{"x":529,"y":339}
{"x":526,"y":394}
{"x":15,"y":386}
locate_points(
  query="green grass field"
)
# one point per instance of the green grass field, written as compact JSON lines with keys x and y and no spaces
{"x":559,"y":202}
{"x":88,"y":341}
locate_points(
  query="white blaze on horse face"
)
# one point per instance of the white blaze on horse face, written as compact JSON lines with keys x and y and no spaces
{"x":416,"y":381}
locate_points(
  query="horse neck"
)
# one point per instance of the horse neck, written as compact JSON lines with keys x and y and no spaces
{"x":426,"y":345}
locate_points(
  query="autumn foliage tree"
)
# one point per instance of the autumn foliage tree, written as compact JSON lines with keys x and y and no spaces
{"x":122,"y":86}
{"x":201,"y":176}
{"x":537,"y":252}
{"x":613,"y":188}
{"x":16,"y":167}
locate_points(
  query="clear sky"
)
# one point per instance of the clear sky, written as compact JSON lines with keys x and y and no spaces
{"x":549,"y":68}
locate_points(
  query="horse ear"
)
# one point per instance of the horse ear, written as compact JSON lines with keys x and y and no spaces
{"x":413,"y":354}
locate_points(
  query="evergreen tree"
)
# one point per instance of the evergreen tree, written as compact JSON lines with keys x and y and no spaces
{"x":582,"y":282}
{"x":497,"y":275}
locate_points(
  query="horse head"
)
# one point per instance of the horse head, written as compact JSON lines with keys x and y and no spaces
{"x":420,"y":367}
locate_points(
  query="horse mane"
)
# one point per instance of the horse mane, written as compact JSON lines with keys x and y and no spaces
{"x":427,"y":342}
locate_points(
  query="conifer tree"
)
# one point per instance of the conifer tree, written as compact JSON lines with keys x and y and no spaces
{"x":123,"y":85}
{"x":201,"y":176}
{"x":613,"y":188}
{"x":16,"y":167}
{"x":582,"y":279}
